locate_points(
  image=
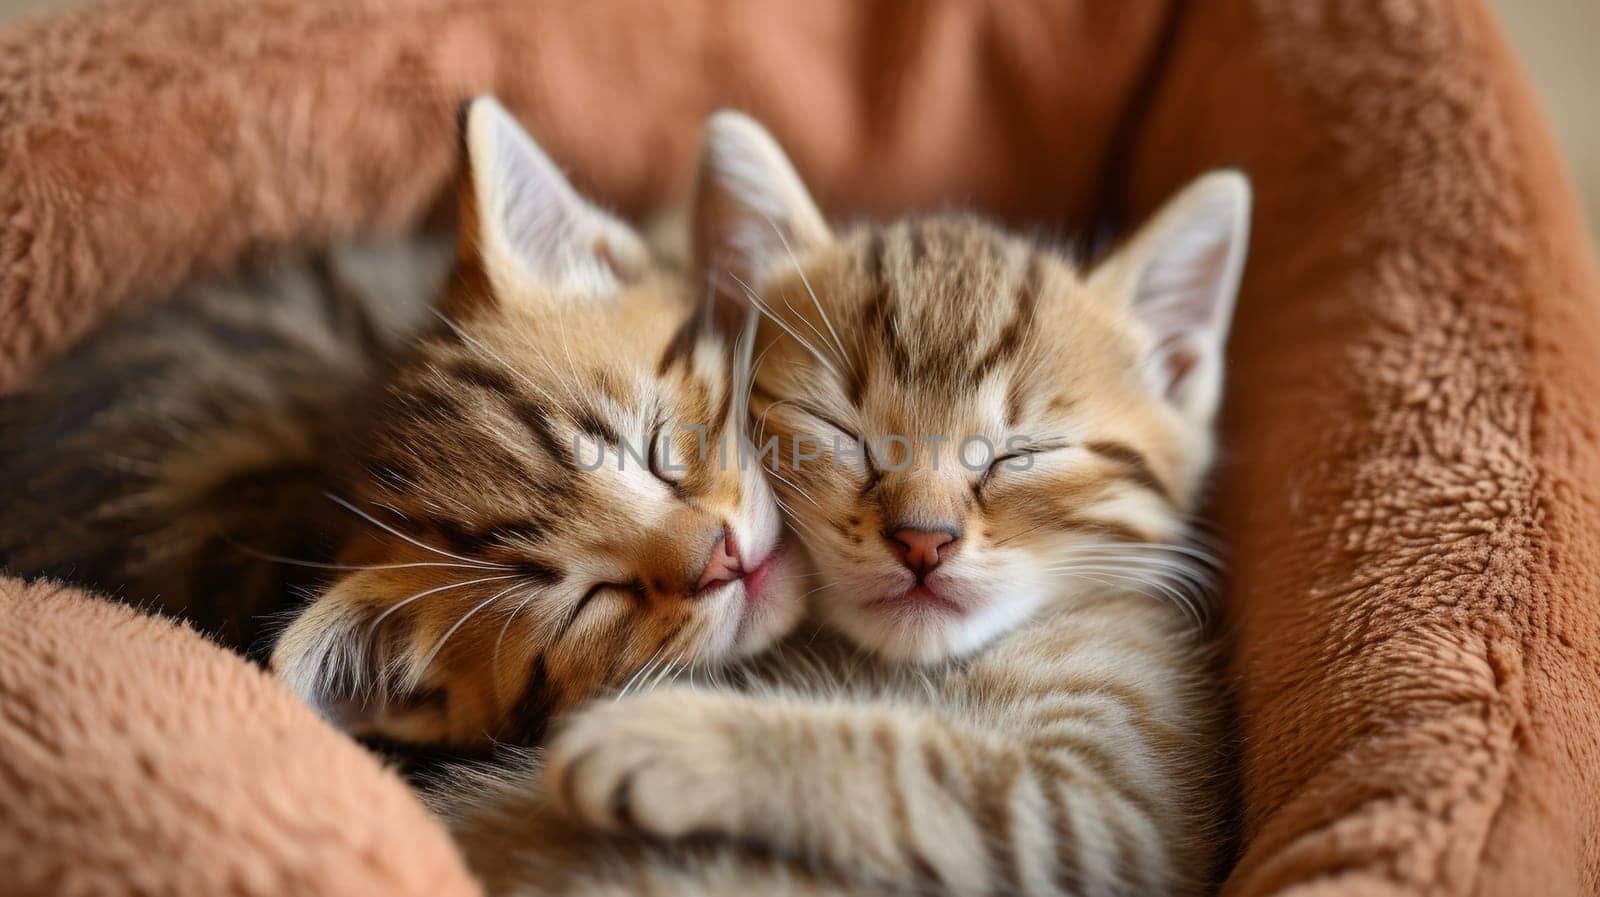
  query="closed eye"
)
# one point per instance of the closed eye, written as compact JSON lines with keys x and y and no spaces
{"x":1018,"y":459}
{"x":873,"y":474}
{"x":633,"y":589}
{"x":829,"y":420}
{"x":660,"y":465}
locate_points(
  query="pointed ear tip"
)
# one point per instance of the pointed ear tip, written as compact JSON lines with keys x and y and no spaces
{"x":729,"y":131}
{"x":731,"y":121}
{"x":481,"y":115}
{"x":1229,"y":187}
{"x":484,"y":109}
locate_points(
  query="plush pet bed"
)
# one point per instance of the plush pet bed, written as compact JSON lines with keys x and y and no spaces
{"x":1411,"y":488}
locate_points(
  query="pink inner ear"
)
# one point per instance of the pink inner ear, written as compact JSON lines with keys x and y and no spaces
{"x":1179,"y":358}
{"x":608,"y":257}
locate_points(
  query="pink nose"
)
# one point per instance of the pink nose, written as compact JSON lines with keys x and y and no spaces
{"x":919,"y":549}
{"x":724,"y":565}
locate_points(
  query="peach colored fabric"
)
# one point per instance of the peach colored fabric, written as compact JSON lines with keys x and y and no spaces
{"x":1411,"y":491}
{"x":1410,"y":487}
{"x":137,"y":758}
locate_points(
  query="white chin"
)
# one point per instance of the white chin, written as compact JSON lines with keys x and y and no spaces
{"x":925,"y":637}
{"x":778,"y":613}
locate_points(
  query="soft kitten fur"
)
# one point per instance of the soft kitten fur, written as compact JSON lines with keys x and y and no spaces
{"x":472,"y":577}
{"x":501,"y":581}
{"x":177,"y":450}
{"x":1037,"y":716}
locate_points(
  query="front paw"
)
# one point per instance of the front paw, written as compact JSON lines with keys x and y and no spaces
{"x":662,"y":764}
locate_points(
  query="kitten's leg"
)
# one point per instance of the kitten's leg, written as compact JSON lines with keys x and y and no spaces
{"x":1075,"y":778}
{"x":873,"y":792}
{"x":517,"y":846}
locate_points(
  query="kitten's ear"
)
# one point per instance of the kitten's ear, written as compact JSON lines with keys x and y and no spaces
{"x":1181,"y":273}
{"x":528,"y":229}
{"x":750,"y":212}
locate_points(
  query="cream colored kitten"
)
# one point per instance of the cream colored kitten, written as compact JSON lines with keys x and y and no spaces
{"x":1037,"y":711}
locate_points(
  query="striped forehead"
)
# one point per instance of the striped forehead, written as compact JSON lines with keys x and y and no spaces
{"x":522,"y":398}
{"x":948,"y":299}
{"x":947,"y":305}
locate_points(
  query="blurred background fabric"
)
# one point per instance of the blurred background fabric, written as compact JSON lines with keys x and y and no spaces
{"x":1411,"y":491}
{"x":1556,"y":39}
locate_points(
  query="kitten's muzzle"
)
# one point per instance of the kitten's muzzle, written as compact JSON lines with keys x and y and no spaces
{"x":922,"y":550}
{"x":724,"y":565}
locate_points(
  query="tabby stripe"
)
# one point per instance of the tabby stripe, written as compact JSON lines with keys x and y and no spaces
{"x":1110,"y":529}
{"x":917,"y":242}
{"x":621,"y":803}
{"x":1098,"y":716}
{"x":1127,"y":844}
{"x":343,"y":307}
{"x":467,"y":540}
{"x":933,"y":760}
{"x":592,"y":424}
{"x":881,"y":317}
{"x":431,"y":405}
{"x":1069,"y":871}
{"x":1098,"y":761}
{"x":484,"y":376}
{"x":1134,"y":465}
{"x":681,"y":346}
{"x":1135,"y":700}
{"x":537,"y":421}
{"x":1025,"y":300}
{"x":888,"y":750}
{"x":530,"y":717}
{"x":1015,"y":401}
{"x":991,"y":811}
{"x":1111,"y":801}
{"x":241,"y":336}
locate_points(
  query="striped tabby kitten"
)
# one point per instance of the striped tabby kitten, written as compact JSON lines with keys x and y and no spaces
{"x":172,"y":453}
{"x":521,"y":558}
{"x":477,"y":570}
{"x":1033,"y":722}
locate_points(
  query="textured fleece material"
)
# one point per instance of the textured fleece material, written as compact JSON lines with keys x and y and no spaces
{"x":1410,"y":480}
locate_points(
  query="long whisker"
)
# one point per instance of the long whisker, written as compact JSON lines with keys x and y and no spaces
{"x":373,"y":626}
{"x":838,"y":343}
{"x":798,"y":491}
{"x":1198,"y":580}
{"x":427,"y":661}
{"x":418,"y":543}
{"x":319,"y":565}
{"x":1185,"y":599}
{"x":667,"y":670}
{"x":504,"y":627}
{"x":481,"y":347}
{"x":813,"y":328}
{"x":1200,"y":554}
{"x":641,"y":671}
{"x":1014,"y":536}
{"x":760,"y":306}
{"x":744,"y":376}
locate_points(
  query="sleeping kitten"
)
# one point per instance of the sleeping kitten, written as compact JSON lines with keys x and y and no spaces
{"x":1040,"y":717}
{"x":520,"y":556}
{"x":506,"y":513}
